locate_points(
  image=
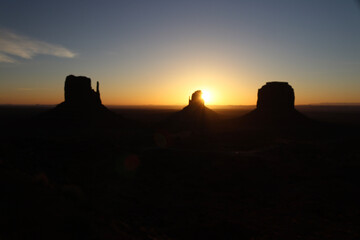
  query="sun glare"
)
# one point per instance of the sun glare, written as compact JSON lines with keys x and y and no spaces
{"x":206,"y":96}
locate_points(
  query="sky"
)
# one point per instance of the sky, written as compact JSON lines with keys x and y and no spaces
{"x":157,"y":52}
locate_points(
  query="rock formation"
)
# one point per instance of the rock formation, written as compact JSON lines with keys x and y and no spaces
{"x":275,"y":108}
{"x":195,"y":117}
{"x":78,"y":91}
{"x":82,"y":104}
{"x":196,"y":99}
{"x":276,"y":96}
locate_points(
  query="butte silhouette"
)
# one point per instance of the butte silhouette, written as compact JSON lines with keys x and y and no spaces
{"x":82,"y":104}
{"x":275,"y":108}
{"x":195,"y":116}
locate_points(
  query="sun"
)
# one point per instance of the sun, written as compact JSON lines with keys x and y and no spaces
{"x":206,"y":96}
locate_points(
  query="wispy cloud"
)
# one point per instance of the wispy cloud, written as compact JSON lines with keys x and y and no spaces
{"x":13,"y":45}
{"x":6,"y":58}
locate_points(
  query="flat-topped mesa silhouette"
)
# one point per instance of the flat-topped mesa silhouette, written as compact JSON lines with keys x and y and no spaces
{"x":80,"y":97}
{"x":78,"y":91}
{"x":82,"y":104}
{"x":275,"y":108}
{"x":276,"y":96}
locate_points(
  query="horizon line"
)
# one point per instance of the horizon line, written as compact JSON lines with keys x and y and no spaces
{"x":180,"y":105}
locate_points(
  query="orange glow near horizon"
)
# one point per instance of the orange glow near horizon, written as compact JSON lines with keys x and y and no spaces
{"x":167,"y":95}
{"x":219,"y":87}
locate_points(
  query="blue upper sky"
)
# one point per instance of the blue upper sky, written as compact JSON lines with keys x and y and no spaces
{"x":157,"y":52}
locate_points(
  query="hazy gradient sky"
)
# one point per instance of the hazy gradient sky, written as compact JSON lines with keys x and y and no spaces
{"x":159,"y":52}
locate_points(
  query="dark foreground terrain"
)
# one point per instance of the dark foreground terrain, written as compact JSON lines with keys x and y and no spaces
{"x":136,"y":180}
